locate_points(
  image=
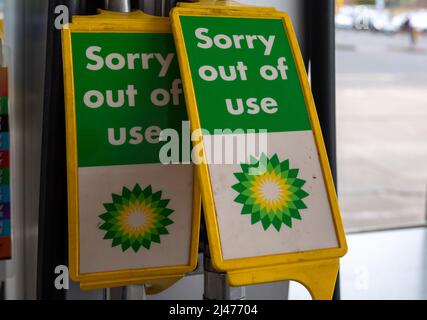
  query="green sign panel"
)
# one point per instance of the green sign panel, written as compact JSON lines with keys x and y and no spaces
{"x":127,"y":89}
{"x":244,"y":74}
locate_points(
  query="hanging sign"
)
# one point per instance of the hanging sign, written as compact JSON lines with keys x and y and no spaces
{"x":132,"y":218}
{"x":268,"y":194}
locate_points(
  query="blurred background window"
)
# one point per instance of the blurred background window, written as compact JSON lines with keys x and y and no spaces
{"x":381,"y":77}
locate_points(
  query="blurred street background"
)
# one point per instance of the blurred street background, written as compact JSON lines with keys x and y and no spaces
{"x":381,"y":74}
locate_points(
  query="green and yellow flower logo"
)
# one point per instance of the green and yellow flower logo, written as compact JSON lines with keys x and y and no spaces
{"x":136,"y":218}
{"x":270,"y":192}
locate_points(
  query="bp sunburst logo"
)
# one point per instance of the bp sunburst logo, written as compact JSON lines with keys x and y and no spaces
{"x":136,"y":218}
{"x":270,"y":192}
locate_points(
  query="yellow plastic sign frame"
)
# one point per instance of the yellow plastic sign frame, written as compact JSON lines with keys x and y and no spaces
{"x":316,"y":269}
{"x":230,"y":4}
{"x":158,"y":277}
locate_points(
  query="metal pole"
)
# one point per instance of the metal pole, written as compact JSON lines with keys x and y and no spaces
{"x":321,"y":17}
{"x":425,"y":204}
{"x":215,"y":283}
{"x":169,"y":4}
{"x":52,"y":228}
{"x":134,"y":292}
{"x":131,"y":292}
{"x":140,"y":5}
{"x":158,"y":7}
{"x":117,"y":5}
{"x":2,"y":291}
